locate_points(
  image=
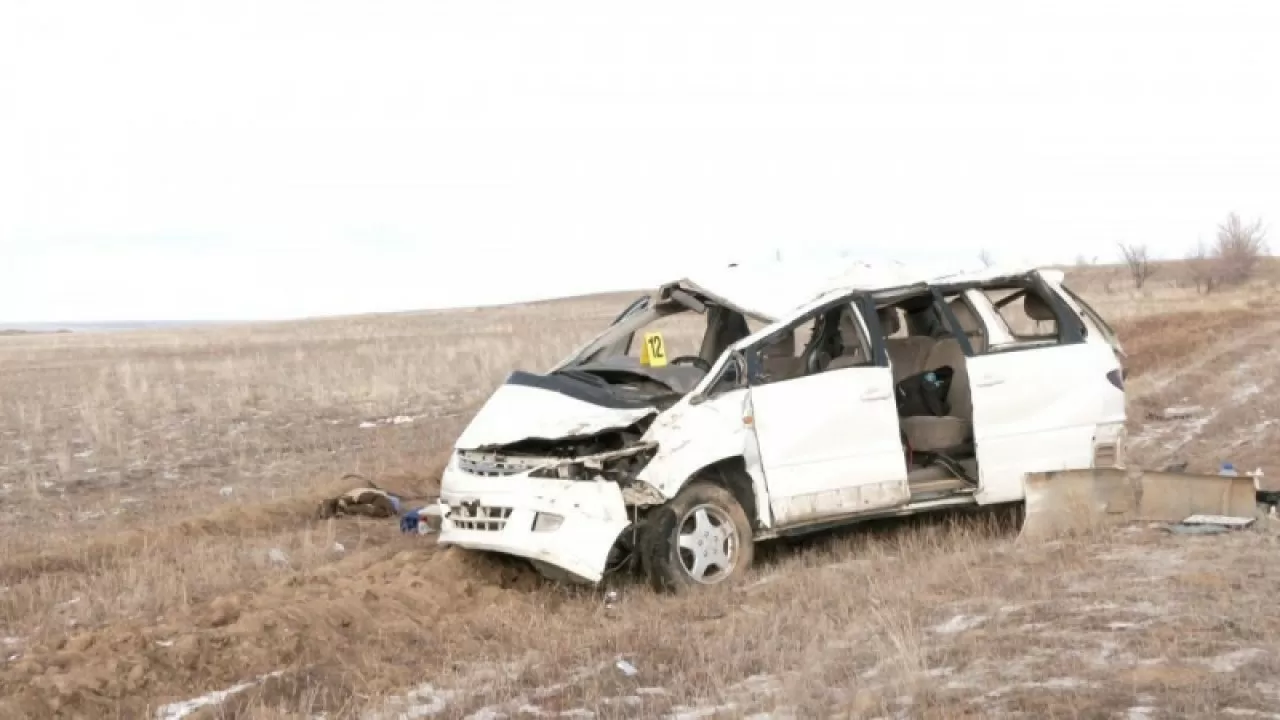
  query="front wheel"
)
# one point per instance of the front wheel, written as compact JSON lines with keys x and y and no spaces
{"x":702,"y":537}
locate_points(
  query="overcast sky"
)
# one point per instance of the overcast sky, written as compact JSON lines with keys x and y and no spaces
{"x":262,"y":159}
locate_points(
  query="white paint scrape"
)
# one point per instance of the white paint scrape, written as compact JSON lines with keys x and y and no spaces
{"x":1233,"y":661}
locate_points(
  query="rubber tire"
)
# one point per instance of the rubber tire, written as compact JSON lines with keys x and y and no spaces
{"x":659,"y":543}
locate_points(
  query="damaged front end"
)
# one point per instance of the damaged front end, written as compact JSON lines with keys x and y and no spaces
{"x":564,"y":503}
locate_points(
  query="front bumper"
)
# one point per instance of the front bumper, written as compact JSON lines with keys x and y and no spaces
{"x":497,"y":514}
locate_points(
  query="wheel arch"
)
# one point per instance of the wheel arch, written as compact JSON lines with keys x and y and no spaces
{"x":734,"y":474}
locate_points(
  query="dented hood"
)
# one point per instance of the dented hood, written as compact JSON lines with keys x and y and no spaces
{"x":549,"y":407}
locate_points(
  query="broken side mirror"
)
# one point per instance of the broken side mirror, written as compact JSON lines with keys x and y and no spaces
{"x":730,"y":378}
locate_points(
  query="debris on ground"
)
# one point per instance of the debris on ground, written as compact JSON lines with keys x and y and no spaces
{"x":1068,"y":501}
{"x":1209,"y":525}
{"x":1178,"y":412}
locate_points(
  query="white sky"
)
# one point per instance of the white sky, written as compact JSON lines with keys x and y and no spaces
{"x":239,"y":160}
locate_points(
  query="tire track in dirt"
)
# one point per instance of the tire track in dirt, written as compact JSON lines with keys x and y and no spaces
{"x":1229,"y":389}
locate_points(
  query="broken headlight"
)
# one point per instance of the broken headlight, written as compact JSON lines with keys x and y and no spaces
{"x":616,"y":465}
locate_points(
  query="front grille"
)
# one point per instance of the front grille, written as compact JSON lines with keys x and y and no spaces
{"x":479,"y":517}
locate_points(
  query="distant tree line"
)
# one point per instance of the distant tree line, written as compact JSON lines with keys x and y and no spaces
{"x":1231,"y":259}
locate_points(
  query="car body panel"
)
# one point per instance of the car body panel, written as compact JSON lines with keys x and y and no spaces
{"x":1034,"y":410}
{"x":829,"y":444}
{"x":518,"y":412}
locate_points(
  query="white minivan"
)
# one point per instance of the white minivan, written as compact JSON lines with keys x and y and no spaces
{"x":804,"y":403}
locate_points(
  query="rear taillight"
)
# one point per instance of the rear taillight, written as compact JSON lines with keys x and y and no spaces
{"x":1117,"y":378}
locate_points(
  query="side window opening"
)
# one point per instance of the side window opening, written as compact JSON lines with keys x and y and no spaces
{"x":1028,"y":317}
{"x":833,"y":339}
{"x":970,"y":323}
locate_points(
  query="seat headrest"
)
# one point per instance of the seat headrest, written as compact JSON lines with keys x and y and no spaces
{"x":890,"y":322}
{"x":969,"y":323}
{"x":785,"y":345}
{"x":849,"y":332}
{"x":1037,"y":309}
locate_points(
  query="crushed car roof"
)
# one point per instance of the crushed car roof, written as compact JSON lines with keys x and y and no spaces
{"x":773,"y":290}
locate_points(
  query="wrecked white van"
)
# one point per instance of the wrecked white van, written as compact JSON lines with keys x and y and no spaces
{"x":808,"y":403}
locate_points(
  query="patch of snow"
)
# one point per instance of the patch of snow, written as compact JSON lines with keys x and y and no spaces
{"x":1233,"y":661}
{"x":1244,"y":712}
{"x":654,"y":691}
{"x":686,"y":713}
{"x":959,"y":624}
{"x":1059,"y":683}
{"x":1246,"y":392}
{"x":397,"y":420}
{"x":176,"y":711}
{"x":1139,"y":712}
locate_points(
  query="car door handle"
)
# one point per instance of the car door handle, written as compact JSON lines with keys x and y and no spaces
{"x":873,"y":395}
{"x":989,"y":380}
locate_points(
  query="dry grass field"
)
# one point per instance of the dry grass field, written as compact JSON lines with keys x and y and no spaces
{"x":158,"y":542}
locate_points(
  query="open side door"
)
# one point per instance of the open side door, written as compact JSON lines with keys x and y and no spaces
{"x":825,"y":417}
{"x":1037,"y":403}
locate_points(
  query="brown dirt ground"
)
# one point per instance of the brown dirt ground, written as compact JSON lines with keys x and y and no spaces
{"x":130,"y":578}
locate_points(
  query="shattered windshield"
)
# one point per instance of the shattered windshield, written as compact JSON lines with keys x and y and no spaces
{"x":690,"y":334}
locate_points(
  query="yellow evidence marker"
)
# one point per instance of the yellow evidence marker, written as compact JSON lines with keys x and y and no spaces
{"x":654,"y":352}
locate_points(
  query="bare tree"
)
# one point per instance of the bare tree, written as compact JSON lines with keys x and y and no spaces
{"x":1238,"y":249}
{"x":1202,"y":266}
{"x":985,"y":258}
{"x":1138,"y":260}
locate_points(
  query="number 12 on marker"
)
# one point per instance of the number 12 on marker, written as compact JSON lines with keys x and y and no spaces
{"x":654,"y":351}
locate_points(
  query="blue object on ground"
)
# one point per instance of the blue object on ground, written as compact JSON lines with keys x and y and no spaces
{"x":409,"y":523}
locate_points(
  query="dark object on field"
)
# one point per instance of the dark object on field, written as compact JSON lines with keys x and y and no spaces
{"x":367,"y":501}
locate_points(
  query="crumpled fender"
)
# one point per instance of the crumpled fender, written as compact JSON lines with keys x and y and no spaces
{"x":691,"y":437}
